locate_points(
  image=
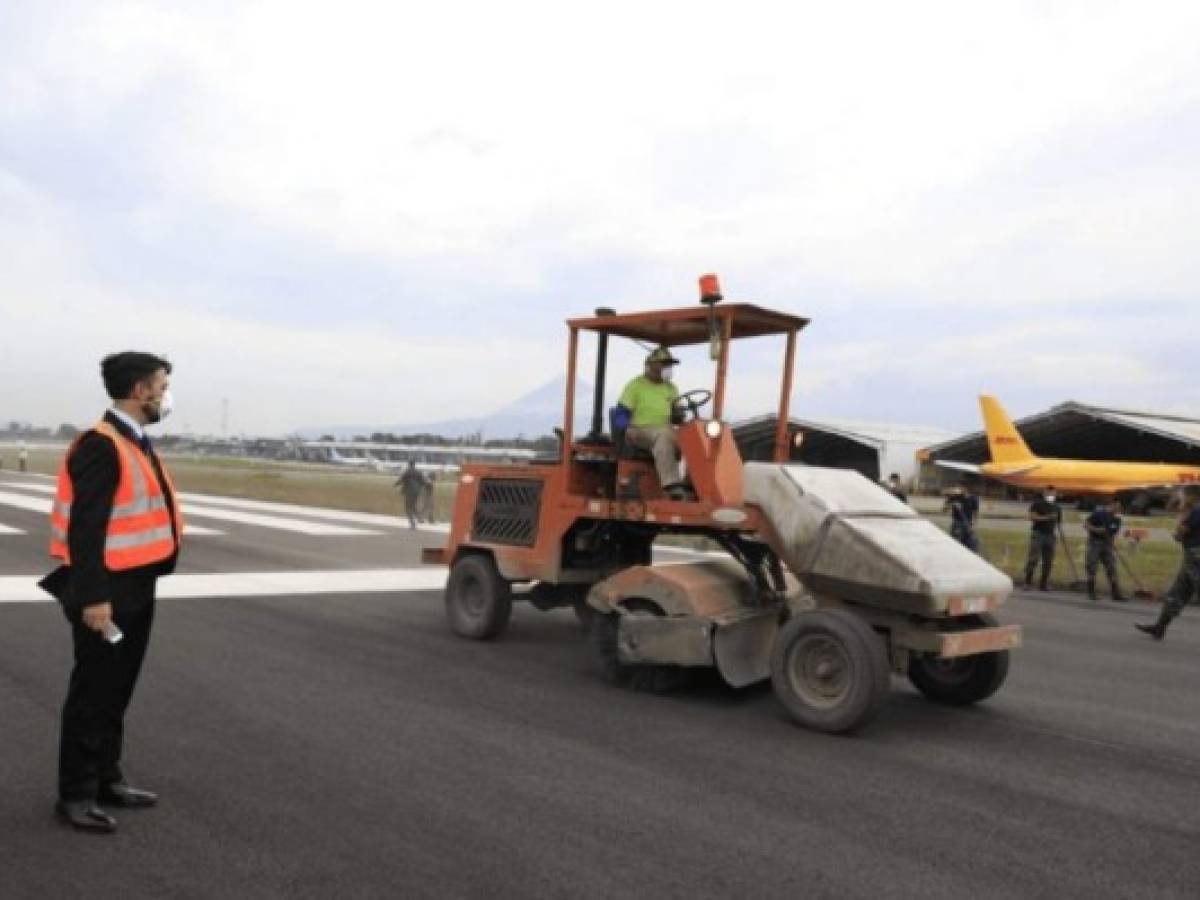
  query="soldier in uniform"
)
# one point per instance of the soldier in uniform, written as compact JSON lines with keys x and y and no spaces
{"x":1102,"y":527}
{"x":964,"y":511}
{"x":1045,"y":516}
{"x":412,"y":483}
{"x":1187,"y":582}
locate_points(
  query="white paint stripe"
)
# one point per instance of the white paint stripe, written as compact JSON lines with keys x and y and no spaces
{"x":319,"y":512}
{"x":20,"y":501}
{"x":36,"y":504}
{"x":263,"y":506}
{"x":295,"y":525}
{"x":24,"y":589}
{"x":210,"y":504}
{"x":29,"y":486}
{"x":291,"y":509}
{"x":8,"y":529}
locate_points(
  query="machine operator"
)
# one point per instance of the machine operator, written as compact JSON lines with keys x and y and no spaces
{"x":648,"y":405}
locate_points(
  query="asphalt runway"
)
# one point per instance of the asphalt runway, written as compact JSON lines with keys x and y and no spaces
{"x":342,"y":743}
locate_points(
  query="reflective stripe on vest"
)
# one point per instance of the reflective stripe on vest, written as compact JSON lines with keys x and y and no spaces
{"x":139,"y":531}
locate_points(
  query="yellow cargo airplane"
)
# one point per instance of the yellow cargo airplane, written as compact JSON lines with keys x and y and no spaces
{"x":1013,"y":463}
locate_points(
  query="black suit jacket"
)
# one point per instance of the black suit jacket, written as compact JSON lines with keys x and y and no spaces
{"x":95,"y":470}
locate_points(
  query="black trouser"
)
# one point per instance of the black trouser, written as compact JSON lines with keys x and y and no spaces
{"x":1101,"y":553}
{"x":965,"y":535}
{"x":412,"y":501}
{"x":1041,"y":546}
{"x":102,"y":683}
{"x":1187,"y":582}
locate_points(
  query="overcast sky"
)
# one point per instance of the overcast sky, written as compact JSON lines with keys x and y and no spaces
{"x":382,"y":212}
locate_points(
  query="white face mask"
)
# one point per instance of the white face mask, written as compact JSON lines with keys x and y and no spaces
{"x":1050,"y":498}
{"x":668,"y":372}
{"x":166,"y":404}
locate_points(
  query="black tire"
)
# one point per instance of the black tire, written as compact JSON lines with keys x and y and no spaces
{"x":964,"y":680}
{"x":602,"y":634}
{"x":478,"y":599}
{"x":830,"y":670}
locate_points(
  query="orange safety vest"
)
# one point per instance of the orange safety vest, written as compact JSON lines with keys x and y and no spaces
{"x":139,"y":529}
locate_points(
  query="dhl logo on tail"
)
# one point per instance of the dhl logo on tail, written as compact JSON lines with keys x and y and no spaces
{"x":1004,"y":440}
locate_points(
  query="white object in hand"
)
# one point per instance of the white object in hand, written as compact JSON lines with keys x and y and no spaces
{"x":111,"y":632}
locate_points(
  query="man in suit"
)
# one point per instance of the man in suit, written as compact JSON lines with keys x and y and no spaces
{"x":116,"y":527}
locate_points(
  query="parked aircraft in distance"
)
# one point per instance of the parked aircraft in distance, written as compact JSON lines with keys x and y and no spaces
{"x":387,"y":457}
{"x":1013,"y":463}
{"x":374,"y":464}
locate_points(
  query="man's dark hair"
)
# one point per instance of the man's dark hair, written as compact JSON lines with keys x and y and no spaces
{"x":121,"y":371}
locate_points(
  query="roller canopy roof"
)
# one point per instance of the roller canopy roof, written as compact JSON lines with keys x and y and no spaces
{"x":678,"y":327}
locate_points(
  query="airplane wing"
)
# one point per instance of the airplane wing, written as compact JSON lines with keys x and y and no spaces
{"x":978,"y":470}
{"x":959,"y":466}
{"x":1017,"y":470}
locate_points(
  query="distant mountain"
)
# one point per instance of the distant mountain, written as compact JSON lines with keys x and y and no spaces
{"x":533,"y":415}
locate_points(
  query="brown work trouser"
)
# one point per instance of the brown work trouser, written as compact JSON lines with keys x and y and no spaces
{"x":660,"y":441}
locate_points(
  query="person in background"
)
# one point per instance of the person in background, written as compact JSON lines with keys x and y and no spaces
{"x":894,"y":488}
{"x":1187,"y":582}
{"x":964,"y":512}
{"x":1045,"y":517}
{"x":412,"y":484}
{"x":1102,"y":527}
{"x":23,"y":458}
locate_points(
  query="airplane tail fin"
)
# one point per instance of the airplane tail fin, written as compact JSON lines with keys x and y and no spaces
{"x":1004,"y":441}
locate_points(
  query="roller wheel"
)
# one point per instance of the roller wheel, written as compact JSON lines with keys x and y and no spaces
{"x":478,"y":599}
{"x":830,"y":670}
{"x":964,"y":680}
{"x":602,"y":632}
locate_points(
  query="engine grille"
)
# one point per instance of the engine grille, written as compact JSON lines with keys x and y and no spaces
{"x":507,"y":511}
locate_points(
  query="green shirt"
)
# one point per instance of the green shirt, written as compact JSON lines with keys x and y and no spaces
{"x":650,"y":402}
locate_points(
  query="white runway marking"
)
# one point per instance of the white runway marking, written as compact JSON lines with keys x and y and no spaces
{"x":295,"y":525}
{"x":8,"y":529}
{"x":24,"y":589}
{"x":20,"y":501}
{"x":334,"y":515}
{"x":218,"y":504}
{"x":38,"y":505}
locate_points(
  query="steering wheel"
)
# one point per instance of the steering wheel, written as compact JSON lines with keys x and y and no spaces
{"x":693,"y":400}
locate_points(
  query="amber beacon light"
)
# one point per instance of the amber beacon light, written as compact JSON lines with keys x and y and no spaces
{"x":710,"y":288}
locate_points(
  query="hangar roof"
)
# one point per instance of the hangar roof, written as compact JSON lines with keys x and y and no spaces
{"x":1079,"y":430}
{"x":872,"y":433}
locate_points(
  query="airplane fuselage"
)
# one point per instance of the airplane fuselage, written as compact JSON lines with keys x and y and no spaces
{"x":1091,"y":477}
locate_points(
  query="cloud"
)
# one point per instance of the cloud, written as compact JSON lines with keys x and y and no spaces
{"x":303,"y":201}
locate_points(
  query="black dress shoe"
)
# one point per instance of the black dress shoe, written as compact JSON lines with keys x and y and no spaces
{"x":85,"y":815}
{"x":121,"y":794}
